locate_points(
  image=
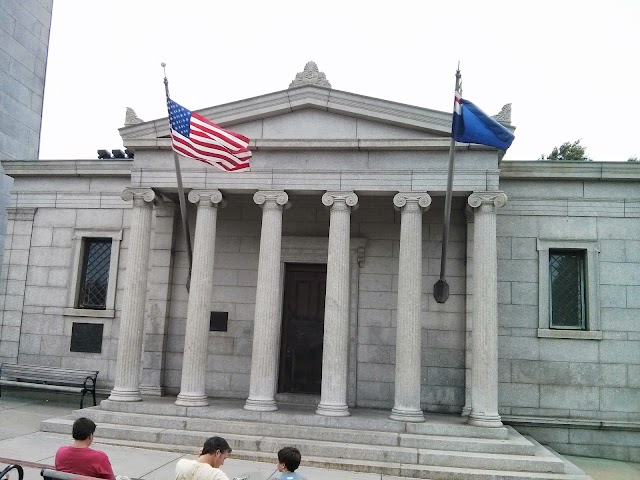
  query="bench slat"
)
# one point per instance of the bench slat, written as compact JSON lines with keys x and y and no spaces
{"x":50,"y":378}
{"x":44,"y":386}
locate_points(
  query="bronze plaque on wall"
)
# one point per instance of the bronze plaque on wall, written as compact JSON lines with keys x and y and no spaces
{"x":86,"y":337}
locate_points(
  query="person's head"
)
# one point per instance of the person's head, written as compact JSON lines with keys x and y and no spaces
{"x":215,"y":450}
{"x":288,"y":459}
{"x":83,"y":428}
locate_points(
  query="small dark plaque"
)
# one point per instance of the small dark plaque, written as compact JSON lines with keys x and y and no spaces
{"x":218,"y":321}
{"x":86,"y":337}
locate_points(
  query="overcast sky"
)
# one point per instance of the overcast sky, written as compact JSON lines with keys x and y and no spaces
{"x":571,"y":69}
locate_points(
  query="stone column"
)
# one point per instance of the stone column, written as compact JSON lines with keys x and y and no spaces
{"x":409,"y":326}
{"x":484,"y":386}
{"x":267,"y":323}
{"x":468,"y":356}
{"x":158,"y":299}
{"x":335,"y":354}
{"x":126,"y":386}
{"x":194,"y":361}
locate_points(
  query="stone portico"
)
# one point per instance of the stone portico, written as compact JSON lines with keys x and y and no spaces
{"x":312,"y":280}
{"x":323,"y":151}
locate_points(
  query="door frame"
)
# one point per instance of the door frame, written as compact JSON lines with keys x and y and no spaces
{"x":316,"y":250}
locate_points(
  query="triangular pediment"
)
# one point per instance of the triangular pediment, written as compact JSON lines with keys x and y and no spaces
{"x":310,"y":113}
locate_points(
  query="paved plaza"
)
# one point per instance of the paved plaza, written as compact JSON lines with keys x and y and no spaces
{"x":22,"y":440}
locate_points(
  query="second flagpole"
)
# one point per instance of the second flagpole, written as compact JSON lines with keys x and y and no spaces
{"x":441,"y":287}
{"x":183,"y":207}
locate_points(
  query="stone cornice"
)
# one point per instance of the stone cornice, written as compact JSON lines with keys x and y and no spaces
{"x":277,"y":103}
{"x":417,"y":144}
{"x":543,"y":170}
{"x":79,"y":168}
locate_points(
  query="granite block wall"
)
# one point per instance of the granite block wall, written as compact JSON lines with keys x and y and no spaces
{"x":24,"y":42}
{"x":588,"y":384}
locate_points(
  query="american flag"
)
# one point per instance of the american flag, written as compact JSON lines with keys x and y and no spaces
{"x":194,"y":136}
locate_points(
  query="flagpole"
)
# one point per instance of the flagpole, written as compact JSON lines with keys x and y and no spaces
{"x":183,"y":207}
{"x":441,"y":287}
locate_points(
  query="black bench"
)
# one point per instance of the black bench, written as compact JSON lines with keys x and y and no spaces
{"x":49,"y":378}
{"x":48,"y":474}
{"x":18,"y":468}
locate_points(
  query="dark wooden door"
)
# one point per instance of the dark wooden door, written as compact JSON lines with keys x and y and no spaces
{"x":302,"y":328}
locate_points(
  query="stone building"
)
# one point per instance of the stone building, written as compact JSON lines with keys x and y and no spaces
{"x":24,"y":45}
{"x":312,"y":280}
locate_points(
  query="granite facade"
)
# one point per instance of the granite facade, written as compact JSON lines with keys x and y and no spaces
{"x":570,"y":387}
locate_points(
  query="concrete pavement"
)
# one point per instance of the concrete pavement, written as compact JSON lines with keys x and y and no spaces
{"x":21,"y":440}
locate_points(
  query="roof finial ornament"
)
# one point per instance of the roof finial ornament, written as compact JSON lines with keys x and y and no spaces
{"x":505,"y":114}
{"x":310,"y":76}
{"x":131,"y":118}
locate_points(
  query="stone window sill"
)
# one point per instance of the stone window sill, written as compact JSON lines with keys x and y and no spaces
{"x":575,"y":334}
{"x":87,"y":312}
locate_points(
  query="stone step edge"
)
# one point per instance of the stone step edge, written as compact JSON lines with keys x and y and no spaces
{"x":265,"y":417}
{"x":67,"y":422}
{"x":519,"y":441}
{"x":570,"y":467}
{"x":434,"y":456}
{"x":361,"y":466}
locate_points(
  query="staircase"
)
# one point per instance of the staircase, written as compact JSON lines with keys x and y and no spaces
{"x":443,"y":447}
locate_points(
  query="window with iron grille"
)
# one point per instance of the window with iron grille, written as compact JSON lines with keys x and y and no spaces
{"x":94,"y":281}
{"x":567,"y":289}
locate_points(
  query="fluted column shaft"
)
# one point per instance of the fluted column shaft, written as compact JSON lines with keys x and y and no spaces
{"x":484,"y":387}
{"x":335,"y":354}
{"x":409,"y":327}
{"x":194,"y":360}
{"x":468,"y":352}
{"x":126,"y":386}
{"x":267,"y":323}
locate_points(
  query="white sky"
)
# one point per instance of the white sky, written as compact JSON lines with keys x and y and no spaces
{"x":571,"y":69}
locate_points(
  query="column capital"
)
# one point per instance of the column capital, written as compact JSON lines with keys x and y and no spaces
{"x":144,"y":194}
{"x":336,"y":199}
{"x":207,"y":197}
{"x":498,"y":199}
{"x":420,"y":200}
{"x":271,"y":198}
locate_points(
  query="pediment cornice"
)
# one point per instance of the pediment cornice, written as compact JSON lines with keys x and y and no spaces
{"x":305,"y":97}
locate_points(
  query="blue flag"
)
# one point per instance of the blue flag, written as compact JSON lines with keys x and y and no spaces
{"x":472,"y":125}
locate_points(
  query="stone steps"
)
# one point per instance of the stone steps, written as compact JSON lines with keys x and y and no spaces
{"x":303,"y":415}
{"x":514,"y":445}
{"x":366,"y":442}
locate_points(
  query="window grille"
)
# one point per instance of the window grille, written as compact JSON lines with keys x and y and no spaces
{"x":567,"y":289}
{"x":95,"y":273}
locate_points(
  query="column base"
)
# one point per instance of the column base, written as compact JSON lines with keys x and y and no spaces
{"x":152,"y":390}
{"x":260,"y":405}
{"x":481,"y":420}
{"x":192,"y":400}
{"x":119,"y":395}
{"x":466,"y":411}
{"x":333,"y":410}
{"x":404,"y":415}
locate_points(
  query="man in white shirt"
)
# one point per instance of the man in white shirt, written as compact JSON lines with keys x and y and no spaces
{"x":206,"y":467}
